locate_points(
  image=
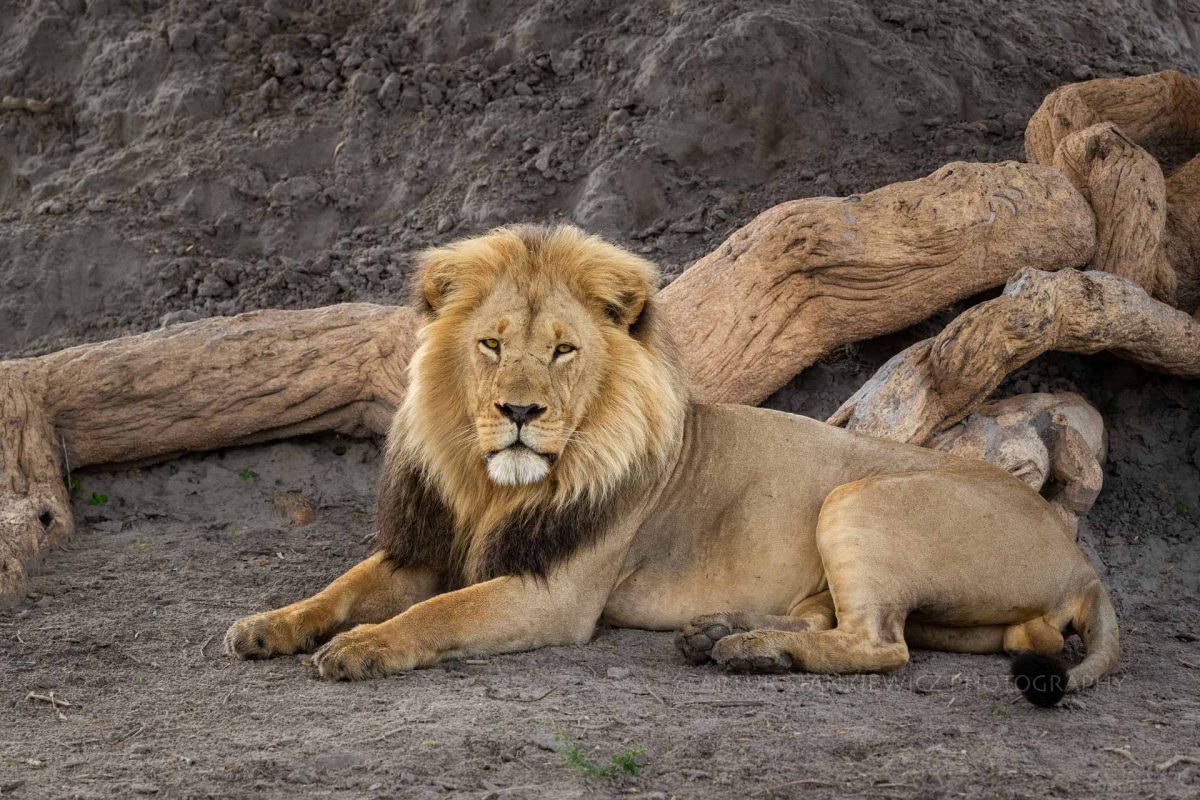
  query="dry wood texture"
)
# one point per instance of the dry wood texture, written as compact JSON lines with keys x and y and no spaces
{"x":797,"y":281}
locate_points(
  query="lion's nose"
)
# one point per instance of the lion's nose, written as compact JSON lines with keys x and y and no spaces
{"x":520,"y":414}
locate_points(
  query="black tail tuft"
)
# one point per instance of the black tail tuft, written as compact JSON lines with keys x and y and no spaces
{"x":1043,"y":680}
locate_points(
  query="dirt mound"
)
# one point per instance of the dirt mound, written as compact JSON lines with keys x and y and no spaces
{"x":206,"y":158}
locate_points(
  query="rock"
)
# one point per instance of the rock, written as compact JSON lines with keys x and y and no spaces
{"x":433,"y":94}
{"x":53,"y":207}
{"x":618,"y":673}
{"x":269,"y":88}
{"x":410,"y":98}
{"x":283,"y":65}
{"x":363,"y":83}
{"x":213,"y":286}
{"x":446,"y":223}
{"x":546,"y":740}
{"x":295,"y":190}
{"x":143,"y":788}
{"x":390,"y":92}
{"x":181,"y":37}
{"x":566,"y":62}
{"x":178,"y":317}
{"x":522,"y":88}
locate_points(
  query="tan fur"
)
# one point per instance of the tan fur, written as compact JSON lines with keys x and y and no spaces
{"x":784,"y":541}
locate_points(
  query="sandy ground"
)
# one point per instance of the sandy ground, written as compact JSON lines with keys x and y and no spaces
{"x":207,"y":158}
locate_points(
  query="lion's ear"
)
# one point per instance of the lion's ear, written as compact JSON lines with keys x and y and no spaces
{"x":438,"y":272}
{"x":626,"y":306}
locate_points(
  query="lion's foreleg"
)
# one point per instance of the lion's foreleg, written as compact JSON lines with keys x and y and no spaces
{"x":502,"y":615}
{"x":372,"y":591}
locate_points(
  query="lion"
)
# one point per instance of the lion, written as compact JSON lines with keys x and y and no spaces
{"x":550,"y":469}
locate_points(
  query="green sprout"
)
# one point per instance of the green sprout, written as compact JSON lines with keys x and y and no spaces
{"x":98,"y":499}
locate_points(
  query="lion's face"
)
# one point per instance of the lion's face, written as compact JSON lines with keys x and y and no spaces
{"x":542,"y":372}
{"x":532,"y":379}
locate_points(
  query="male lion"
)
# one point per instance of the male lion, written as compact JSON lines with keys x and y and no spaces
{"x":548,"y":469}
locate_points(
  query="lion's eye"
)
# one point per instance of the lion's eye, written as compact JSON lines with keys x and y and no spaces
{"x":491,"y":344}
{"x":563,"y":349}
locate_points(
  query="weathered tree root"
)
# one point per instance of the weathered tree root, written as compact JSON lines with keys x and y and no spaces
{"x":213,"y":383}
{"x":937,"y":382}
{"x":1148,"y":228}
{"x":808,"y":276}
{"x":796,"y":282}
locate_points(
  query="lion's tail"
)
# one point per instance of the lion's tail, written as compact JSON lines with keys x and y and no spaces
{"x":1044,"y":680}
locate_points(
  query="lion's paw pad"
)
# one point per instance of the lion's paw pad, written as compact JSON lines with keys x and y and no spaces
{"x":748,"y":652}
{"x":697,"y":639}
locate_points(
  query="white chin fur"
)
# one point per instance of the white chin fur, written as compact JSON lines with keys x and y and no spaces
{"x":516,"y":466}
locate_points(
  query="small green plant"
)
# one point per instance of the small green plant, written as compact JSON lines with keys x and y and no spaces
{"x":233,"y":533}
{"x":1001,"y":711}
{"x":625,"y":761}
{"x":247,"y":474}
{"x":172,"y":470}
{"x":1183,"y":507}
{"x":98,"y":499}
{"x":72,"y":484}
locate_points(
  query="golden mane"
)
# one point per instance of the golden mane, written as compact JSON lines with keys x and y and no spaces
{"x":626,"y":437}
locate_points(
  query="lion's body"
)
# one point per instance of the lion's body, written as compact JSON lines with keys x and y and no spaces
{"x":735,"y":525}
{"x":547,"y":471}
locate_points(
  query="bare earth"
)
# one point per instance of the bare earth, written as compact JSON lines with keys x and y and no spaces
{"x":177,"y":180}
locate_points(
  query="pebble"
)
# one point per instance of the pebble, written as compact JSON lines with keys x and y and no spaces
{"x":178,"y":317}
{"x":181,"y":37}
{"x":391,"y":90}
{"x":364,"y":83}
{"x":618,"y":673}
{"x":53,"y":207}
{"x":446,"y":223}
{"x":548,"y":741}
{"x":144,"y":788}
{"x":522,"y":88}
{"x":284,"y":65}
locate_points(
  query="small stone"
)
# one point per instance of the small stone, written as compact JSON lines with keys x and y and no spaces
{"x":522,"y":88}
{"x":410,"y":98}
{"x":433,"y":94}
{"x":446,"y":223}
{"x":178,"y":317}
{"x":213,"y":286}
{"x":181,"y":37}
{"x":389,"y":93}
{"x":364,"y":83}
{"x":570,"y":101}
{"x":143,"y":788}
{"x":618,"y":673}
{"x":269,"y":88}
{"x":548,"y":741}
{"x":284,"y":65}
{"x":53,"y":207}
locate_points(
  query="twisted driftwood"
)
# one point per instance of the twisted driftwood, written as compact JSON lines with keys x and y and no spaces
{"x":1147,"y":251}
{"x":797,"y":281}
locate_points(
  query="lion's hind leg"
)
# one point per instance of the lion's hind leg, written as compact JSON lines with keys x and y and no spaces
{"x":696,"y":639}
{"x":858,"y":644}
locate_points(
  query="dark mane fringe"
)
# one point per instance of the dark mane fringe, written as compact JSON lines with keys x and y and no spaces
{"x":534,"y":542}
{"x":416,"y":529}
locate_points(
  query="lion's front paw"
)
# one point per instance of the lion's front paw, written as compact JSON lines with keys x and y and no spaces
{"x":696,"y":639}
{"x":362,"y":653}
{"x":750,"y":652}
{"x":265,"y":635}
